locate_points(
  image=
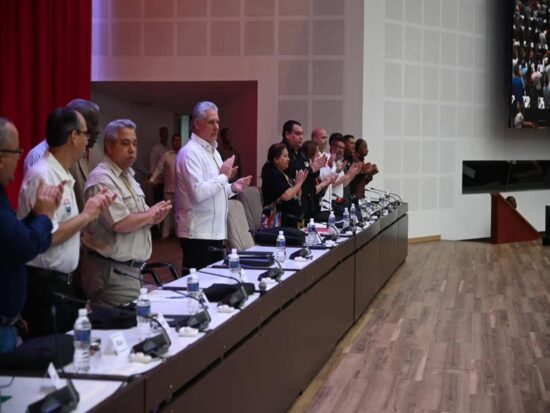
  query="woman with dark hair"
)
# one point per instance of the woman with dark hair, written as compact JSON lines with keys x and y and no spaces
{"x":281,"y":193}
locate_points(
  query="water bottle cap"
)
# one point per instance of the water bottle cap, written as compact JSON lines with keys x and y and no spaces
{"x":311,"y":221}
{"x":234,"y":251}
{"x":143,"y":291}
{"x":192,"y":270}
{"x":82,"y":312}
{"x":282,"y":233}
{"x":346,"y":209}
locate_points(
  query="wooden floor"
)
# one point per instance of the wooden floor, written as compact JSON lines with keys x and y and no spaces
{"x":461,"y":327}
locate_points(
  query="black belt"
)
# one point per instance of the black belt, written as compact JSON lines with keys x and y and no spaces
{"x":129,"y":263}
{"x":51,"y":274}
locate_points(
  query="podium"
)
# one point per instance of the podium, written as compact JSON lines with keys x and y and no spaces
{"x":507,"y":224}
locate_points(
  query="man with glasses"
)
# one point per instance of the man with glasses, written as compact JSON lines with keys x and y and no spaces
{"x":80,"y":171}
{"x":51,"y":271}
{"x":20,"y":241}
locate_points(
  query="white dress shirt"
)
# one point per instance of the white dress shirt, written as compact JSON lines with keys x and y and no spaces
{"x":201,"y":192}
{"x":166,"y":168}
{"x":34,"y":155}
{"x":63,"y":257}
{"x":332,"y":191}
{"x":156,"y":153}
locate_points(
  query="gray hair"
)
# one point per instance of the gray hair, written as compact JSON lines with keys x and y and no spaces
{"x":199,"y":111}
{"x":109,"y":134}
{"x":82,"y":105}
{"x":4,"y":132}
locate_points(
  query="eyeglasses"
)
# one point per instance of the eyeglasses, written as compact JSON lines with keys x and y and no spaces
{"x":83,"y":132}
{"x":17,"y":151}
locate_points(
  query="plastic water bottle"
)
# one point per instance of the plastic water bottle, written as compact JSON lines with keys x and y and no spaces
{"x":311,"y":233}
{"x":234,"y":262}
{"x":281,"y":247}
{"x":388,"y":201}
{"x":353,"y":216}
{"x":383,"y":203}
{"x":346,"y":218}
{"x":143,"y":313}
{"x":193,"y":290}
{"x":82,"y":339}
{"x":331,"y":219}
{"x":332,"y":230}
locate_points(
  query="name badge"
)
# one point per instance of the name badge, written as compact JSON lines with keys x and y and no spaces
{"x":52,"y":372}
{"x":160,"y":318}
{"x":118,"y":342}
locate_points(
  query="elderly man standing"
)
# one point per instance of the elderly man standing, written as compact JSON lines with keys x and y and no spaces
{"x":203,"y":188}
{"x":51,"y":272}
{"x":119,"y":242}
{"x":20,"y":241}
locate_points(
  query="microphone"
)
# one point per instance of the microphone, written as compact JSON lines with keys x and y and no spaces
{"x":303,"y":252}
{"x":372,"y":191}
{"x":62,"y":400}
{"x":273,"y":273}
{"x":154,"y":346}
{"x":199,"y":320}
{"x":397,"y":197}
{"x":237,"y":298}
{"x":249,"y":259}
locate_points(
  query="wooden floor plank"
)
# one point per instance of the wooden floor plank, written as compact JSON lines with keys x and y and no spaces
{"x":461,"y":327}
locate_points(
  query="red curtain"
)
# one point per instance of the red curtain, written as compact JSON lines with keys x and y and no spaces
{"x":45,"y":61}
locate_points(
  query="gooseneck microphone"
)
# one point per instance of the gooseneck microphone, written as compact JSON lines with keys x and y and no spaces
{"x":200,"y":320}
{"x":62,"y":400}
{"x":397,"y":197}
{"x":235,"y":299}
{"x":156,"y":345}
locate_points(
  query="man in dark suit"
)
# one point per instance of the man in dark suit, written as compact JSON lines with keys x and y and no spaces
{"x":20,"y":241}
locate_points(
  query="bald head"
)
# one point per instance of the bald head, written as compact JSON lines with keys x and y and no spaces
{"x":9,"y":150}
{"x":320,"y":137}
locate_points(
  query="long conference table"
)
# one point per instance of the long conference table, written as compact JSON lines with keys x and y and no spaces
{"x":262,"y":357}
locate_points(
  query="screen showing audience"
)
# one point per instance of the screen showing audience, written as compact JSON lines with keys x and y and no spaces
{"x":530,"y":91}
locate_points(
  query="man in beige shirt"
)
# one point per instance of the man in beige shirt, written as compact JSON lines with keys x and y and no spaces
{"x":119,"y":242}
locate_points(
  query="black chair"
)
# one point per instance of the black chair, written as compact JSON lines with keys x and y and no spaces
{"x":149,"y":269}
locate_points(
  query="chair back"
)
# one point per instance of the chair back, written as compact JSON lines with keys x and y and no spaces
{"x":251,"y":199}
{"x":238,"y":235}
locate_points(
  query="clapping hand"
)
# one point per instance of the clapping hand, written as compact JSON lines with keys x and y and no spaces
{"x":159,"y":211}
{"x":95,"y":204}
{"x":317,"y":163}
{"x":355,"y":168}
{"x":227,"y":167}
{"x":48,"y":198}
{"x":240,"y":184}
{"x":301,"y":176}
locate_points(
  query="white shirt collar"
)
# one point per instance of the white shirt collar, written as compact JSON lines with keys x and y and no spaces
{"x":116,"y":169}
{"x":57,"y":168}
{"x":210,"y":147}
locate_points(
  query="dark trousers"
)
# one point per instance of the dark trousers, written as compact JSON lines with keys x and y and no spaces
{"x":158,"y":192}
{"x":196,"y":253}
{"x":38,"y":307}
